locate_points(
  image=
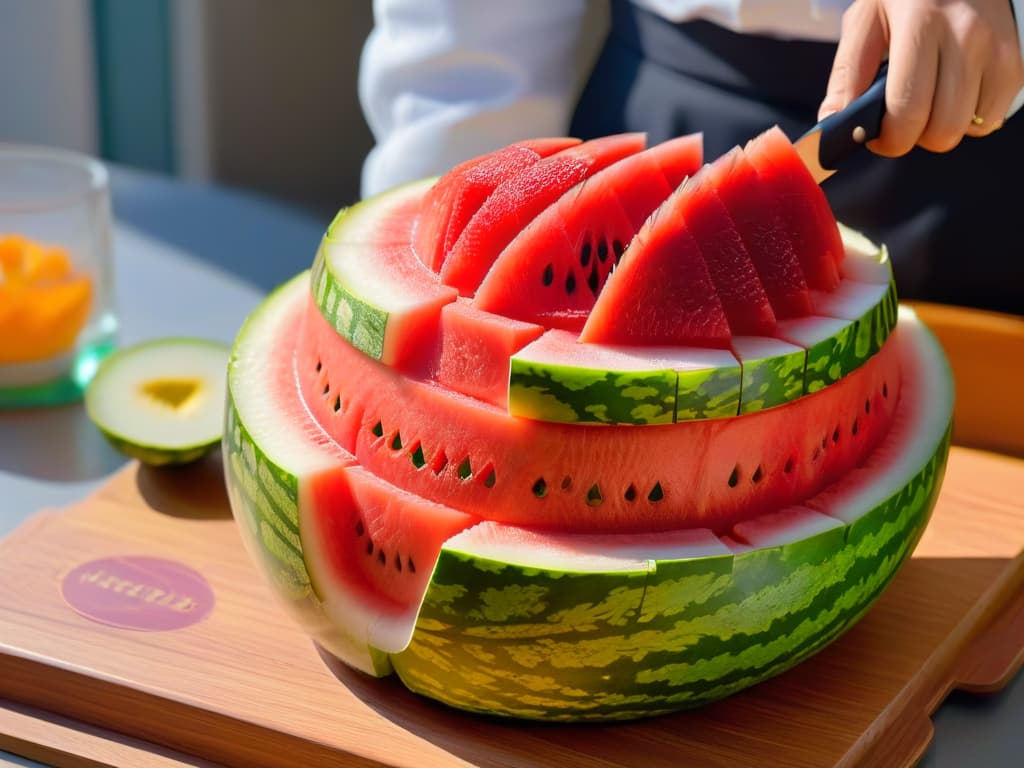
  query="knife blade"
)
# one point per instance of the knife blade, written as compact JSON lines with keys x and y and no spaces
{"x":825,"y":146}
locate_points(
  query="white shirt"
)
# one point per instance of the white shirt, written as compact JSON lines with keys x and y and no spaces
{"x":444,"y":80}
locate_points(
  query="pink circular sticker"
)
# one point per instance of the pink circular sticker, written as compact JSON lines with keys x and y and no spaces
{"x":142,"y":593}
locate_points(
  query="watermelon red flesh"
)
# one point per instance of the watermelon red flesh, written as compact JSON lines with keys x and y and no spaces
{"x":475,"y":348}
{"x":754,"y":211}
{"x":474,"y":457}
{"x":809,"y":220}
{"x":730,"y":266}
{"x":456,"y":196}
{"x":661,"y":293}
{"x":553,"y":270}
{"x":380,"y":541}
{"x":516,"y":202}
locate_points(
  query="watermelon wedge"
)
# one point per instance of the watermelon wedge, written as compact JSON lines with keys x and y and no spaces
{"x":456,"y":196}
{"x":519,"y":199}
{"x":809,"y":220}
{"x":755,"y":213}
{"x":564,"y":256}
{"x":732,"y":271}
{"x":662,"y":294}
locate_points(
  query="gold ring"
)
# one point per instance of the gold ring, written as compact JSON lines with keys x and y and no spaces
{"x":977,"y":120}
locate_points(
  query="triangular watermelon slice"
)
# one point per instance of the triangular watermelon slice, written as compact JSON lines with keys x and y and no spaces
{"x":755,"y":212}
{"x":810,"y":222}
{"x":729,"y":264}
{"x":456,"y":196}
{"x":553,"y":270}
{"x":661,"y":293}
{"x":516,"y":202}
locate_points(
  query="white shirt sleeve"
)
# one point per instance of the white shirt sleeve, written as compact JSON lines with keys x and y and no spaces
{"x":1018,"y":13}
{"x":441,"y":81}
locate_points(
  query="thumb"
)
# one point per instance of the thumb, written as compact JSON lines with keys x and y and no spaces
{"x":862,"y":46}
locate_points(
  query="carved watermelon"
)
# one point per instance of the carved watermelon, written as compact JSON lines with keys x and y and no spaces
{"x":537,"y":504}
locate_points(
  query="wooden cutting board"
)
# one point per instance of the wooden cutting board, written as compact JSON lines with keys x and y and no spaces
{"x":244,"y":687}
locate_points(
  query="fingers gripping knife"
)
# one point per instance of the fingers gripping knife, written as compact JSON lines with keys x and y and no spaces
{"x":824,"y":147}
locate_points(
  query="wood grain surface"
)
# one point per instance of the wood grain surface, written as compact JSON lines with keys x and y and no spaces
{"x":244,"y":687}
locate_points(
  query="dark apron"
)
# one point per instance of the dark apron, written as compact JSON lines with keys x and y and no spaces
{"x":954,"y":222}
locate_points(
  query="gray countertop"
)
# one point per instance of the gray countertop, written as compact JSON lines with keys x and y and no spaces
{"x":194,"y":260}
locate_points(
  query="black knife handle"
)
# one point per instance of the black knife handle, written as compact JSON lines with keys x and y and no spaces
{"x":840,"y":136}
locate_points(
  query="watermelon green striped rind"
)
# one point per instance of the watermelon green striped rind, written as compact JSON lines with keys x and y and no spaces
{"x":271,"y":452}
{"x":706,"y":626}
{"x":773,"y":372}
{"x":379,"y":298}
{"x":836,"y":347}
{"x":555,"y":378}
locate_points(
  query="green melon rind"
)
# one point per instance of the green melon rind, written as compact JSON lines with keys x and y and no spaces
{"x":159,"y":457}
{"x":694,"y":631}
{"x":831,"y":359}
{"x":559,"y":393}
{"x":265,"y":498}
{"x":770,"y":381}
{"x":570,"y":394}
{"x":357,"y":321}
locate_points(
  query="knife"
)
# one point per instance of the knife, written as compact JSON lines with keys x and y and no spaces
{"x":825,"y":146}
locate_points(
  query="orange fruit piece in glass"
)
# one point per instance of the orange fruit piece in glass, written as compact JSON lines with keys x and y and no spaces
{"x":44,"y":303}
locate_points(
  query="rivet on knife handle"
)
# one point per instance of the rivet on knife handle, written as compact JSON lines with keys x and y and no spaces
{"x":846,"y":131}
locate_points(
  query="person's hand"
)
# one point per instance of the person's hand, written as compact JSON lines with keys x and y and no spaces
{"x":955,"y":68}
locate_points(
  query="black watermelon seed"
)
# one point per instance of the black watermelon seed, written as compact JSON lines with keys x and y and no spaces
{"x":378,"y":429}
{"x":369,"y":547}
{"x":319,"y":366}
{"x":360,"y":530}
{"x":337,"y":404}
{"x":756,"y":477}
{"x":835,"y":435}
{"x":570,"y":283}
{"x":398,"y":562}
{"x":854,"y":428}
{"x":410,"y":565}
{"x":465,"y":469}
{"x":619,"y":249}
{"x":396,"y":442}
{"x":602,"y":251}
{"x":382,"y":558}
{"x":549,"y":275}
{"x":593,"y":282}
{"x":734,"y":478}
{"x":417,"y":457}
{"x":867,"y":406}
{"x":490,"y":480}
{"x":630,"y":493}
{"x":327,"y":388}
{"x":594,"y":497}
{"x":656,"y":494}
{"x":540,"y":488}
{"x":585,"y":254}
{"x":885,"y":389}
{"x":566,"y":483}
{"x":789,"y":466}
